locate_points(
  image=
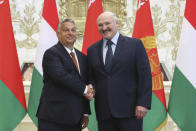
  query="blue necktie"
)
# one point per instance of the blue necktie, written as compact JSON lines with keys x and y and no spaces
{"x":109,"y":55}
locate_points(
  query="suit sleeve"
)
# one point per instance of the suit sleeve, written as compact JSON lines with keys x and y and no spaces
{"x":54,"y":68}
{"x":90,"y":71}
{"x":86,"y":106}
{"x":144,"y":90}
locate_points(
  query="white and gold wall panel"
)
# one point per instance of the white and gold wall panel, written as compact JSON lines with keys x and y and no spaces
{"x":167,"y":19}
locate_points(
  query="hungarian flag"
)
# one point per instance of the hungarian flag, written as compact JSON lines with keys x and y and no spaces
{"x":91,"y":35}
{"x":48,"y":38}
{"x":12,"y":98}
{"x":182,"y":102}
{"x":156,"y":118}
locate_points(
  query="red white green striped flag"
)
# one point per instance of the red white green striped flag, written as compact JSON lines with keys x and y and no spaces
{"x":156,"y":118}
{"x":48,"y":38}
{"x":182,"y":102}
{"x":12,"y":98}
{"x":91,"y":35}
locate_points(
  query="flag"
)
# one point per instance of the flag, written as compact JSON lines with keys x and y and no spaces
{"x":156,"y":118}
{"x":48,"y":38}
{"x":91,"y":35}
{"x":182,"y":102}
{"x":12,"y":97}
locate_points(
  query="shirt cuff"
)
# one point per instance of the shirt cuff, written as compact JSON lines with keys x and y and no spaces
{"x":86,"y":89}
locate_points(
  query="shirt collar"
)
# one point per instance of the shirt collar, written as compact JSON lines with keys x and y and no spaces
{"x":114,"y":39}
{"x":69,"y":51}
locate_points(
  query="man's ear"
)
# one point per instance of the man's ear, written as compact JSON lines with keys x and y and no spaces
{"x":117,"y":23}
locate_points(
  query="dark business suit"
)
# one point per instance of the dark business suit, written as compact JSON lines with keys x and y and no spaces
{"x":128,"y":84}
{"x":62,"y":99}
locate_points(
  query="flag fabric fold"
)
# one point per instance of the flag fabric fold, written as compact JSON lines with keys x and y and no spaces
{"x":91,"y":35}
{"x":12,"y":97}
{"x":48,"y":38}
{"x":156,"y":118}
{"x":182,"y":105}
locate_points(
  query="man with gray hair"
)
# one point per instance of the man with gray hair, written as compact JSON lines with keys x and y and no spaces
{"x":64,"y":102}
{"x":120,"y":72}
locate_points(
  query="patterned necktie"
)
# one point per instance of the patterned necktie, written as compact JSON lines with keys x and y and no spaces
{"x":109,"y":55}
{"x":74,"y":60}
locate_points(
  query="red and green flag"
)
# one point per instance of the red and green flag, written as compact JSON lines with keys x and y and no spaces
{"x":156,"y":118}
{"x":91,"y":35}
{"x":48,"y":38}
{"x":182,"y":102}
{"x":12,"y":98}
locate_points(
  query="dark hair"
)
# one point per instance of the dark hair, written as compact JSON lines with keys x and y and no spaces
{"x":65,"y":20}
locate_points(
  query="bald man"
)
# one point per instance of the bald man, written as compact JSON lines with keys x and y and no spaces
{"x":120,"y":73}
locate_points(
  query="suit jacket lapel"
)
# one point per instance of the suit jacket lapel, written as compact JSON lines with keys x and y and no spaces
{"x":80,"y":62}
{"x":67,"y":55}
{"x":63,"y":51}
{"x":100,"y":53}
{"x":119,"y":48}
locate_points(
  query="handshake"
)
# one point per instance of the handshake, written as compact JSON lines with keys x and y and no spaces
{"x":90,"y":92}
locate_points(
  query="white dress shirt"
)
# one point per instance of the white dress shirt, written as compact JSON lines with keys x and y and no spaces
{"x":105,"y":47}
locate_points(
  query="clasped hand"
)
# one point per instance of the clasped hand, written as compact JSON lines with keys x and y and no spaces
{"x":90,"y":92}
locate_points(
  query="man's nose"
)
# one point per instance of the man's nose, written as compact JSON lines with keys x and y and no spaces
{"x":104,"y":27}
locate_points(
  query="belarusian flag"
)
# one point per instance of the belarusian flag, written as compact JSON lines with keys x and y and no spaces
{"x":91,"y":35}
{"x":156,"y":118}
{"x":182,"y":102}
{"x":12,"y":98}
{"x":48,"y":38}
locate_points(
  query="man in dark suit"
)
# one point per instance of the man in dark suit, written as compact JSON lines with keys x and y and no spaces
{"x":64,"y":102}
{"x":120,"y":73}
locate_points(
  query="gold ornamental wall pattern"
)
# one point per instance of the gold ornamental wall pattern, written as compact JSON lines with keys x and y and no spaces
{"x":167,"y":21}
{"x":77,"y":9}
